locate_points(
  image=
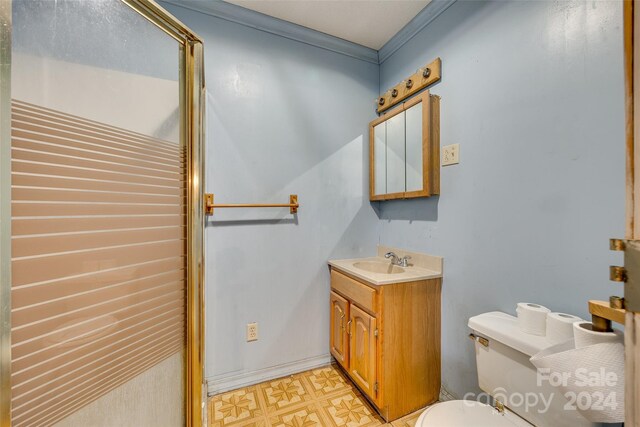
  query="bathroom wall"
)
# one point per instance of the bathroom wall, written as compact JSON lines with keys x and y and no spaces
{"x":533,"y":93}
{"x":283,"y":117}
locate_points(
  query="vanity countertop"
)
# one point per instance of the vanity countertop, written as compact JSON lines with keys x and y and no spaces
{"x":421,"y":267}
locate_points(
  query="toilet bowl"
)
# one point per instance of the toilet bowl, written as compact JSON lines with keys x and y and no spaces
{"x":465,"y":413}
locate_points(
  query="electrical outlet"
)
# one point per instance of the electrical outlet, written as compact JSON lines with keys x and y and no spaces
{"x":252,"y":332}
{"x":450,"y":154}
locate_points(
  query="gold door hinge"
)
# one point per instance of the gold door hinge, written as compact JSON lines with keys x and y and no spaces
{"x":375,"y":333}
{"x":617,"y":274}
{"x":375,"y":387}
{"x":630,"y":273}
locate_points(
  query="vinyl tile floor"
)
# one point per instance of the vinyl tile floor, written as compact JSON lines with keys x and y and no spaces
{"x":319,"y":397}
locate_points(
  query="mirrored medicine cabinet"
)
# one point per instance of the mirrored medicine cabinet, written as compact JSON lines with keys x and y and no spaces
{"x":404,"y":150}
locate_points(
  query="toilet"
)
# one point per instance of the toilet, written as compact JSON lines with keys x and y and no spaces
{"x":505,"y":373}
{"x":456,"y":413}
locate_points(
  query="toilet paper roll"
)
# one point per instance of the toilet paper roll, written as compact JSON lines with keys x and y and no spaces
{"x":532,"y":318}
{"x":590,"y":378}
{"x":560,"y":327}
{"x":584,"y":335}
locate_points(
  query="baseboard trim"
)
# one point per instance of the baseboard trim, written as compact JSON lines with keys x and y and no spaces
{"x":216,"y":385}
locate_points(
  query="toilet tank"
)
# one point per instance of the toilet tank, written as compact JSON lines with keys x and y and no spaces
{"x":505,"y":373}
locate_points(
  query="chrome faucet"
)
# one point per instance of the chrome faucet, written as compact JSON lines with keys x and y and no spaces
{"x":402,"y":262}
{"x":393,"y":256}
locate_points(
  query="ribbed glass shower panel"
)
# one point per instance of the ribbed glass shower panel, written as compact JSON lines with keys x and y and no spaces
{"x":98,"y":208}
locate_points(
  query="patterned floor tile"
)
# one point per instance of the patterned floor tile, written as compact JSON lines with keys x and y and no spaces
{"x":321,"y":397}
{"x":283,"y":393}
{"x":327,"y":380}
{"x":409,"y":420}
{"x":305,"y":416}
{"x":235,"y":407}
{"x":350,"y":410}
{"x":253,"y":422}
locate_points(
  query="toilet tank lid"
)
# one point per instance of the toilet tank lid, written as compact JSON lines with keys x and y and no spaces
{"x":504,"y":328}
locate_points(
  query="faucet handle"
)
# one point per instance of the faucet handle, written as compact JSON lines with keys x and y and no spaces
{"x":405,"y":260}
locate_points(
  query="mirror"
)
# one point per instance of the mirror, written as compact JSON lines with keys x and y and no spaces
{"x":395,"y":154}
{"x":405,"y":150}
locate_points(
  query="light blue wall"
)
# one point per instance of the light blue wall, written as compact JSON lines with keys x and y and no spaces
{"x":533,"y":93}
{"x":283,"y":117}
{"x":120,"y":42}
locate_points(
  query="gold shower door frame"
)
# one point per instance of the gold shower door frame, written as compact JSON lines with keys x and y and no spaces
{"x":192,"y":96}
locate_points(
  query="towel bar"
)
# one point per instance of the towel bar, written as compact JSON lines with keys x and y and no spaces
{"x":209,"y":205}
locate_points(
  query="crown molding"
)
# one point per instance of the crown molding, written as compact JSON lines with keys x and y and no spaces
{"x":421,"y":20}
{"x":269,"y":24}
{"x":259,"y":21}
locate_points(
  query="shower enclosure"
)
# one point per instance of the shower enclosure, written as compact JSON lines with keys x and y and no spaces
{"x":101,"y":215}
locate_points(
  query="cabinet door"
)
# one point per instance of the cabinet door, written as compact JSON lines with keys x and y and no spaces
{"x":362,"y":350}
{"x":339,"y":341}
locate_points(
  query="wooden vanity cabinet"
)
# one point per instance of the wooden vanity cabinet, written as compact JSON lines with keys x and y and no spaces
{"x":387,"y":340}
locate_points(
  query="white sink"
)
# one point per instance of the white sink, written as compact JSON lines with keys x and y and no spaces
{"x":378,"y":267}
{"x":378,"y":270}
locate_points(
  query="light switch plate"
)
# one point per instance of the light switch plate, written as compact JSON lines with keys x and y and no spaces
{"x":450,"y":154}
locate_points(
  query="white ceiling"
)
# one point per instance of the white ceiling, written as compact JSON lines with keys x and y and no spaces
{"x":369,"y":23}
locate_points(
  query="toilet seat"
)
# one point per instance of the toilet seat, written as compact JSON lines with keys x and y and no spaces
{"x":468,"y":413}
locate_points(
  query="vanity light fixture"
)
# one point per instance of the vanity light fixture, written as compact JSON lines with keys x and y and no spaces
{"x":421,"y":79}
